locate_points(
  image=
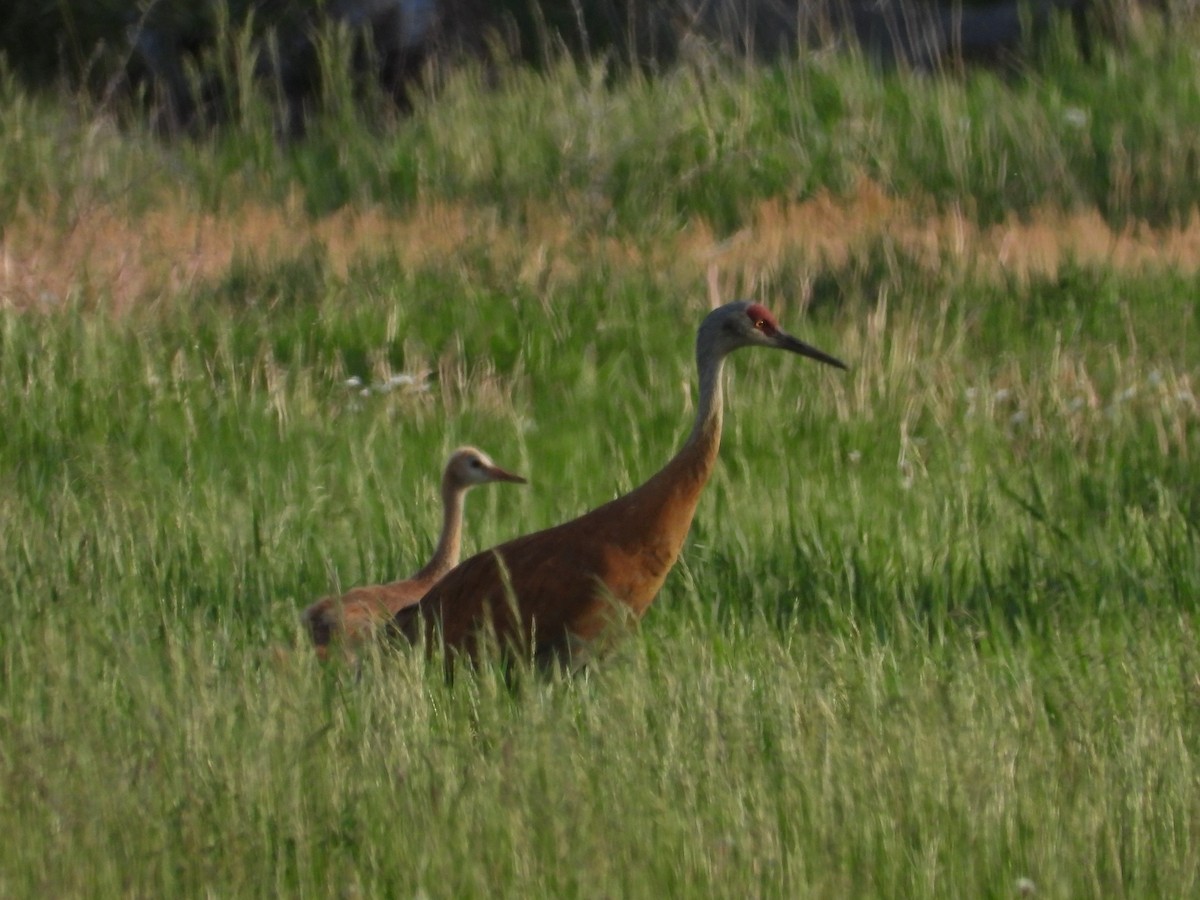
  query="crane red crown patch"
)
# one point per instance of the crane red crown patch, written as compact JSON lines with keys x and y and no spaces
{"x":762,"y":318}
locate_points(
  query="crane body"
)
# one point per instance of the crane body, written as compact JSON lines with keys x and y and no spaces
{"x":552,"y":595}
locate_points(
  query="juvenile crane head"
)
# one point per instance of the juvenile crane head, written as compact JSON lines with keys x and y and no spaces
{"x":469,"y":466}
{"x":745,"y":324}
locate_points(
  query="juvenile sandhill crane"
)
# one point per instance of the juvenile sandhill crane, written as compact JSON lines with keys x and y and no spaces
{"x":552,"y":594}
{"x":351,"y":618}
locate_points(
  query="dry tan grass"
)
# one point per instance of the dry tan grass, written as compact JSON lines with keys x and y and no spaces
{"x":104,"y":257}
{"x":135,"y":259}
{"x":831,"y":228}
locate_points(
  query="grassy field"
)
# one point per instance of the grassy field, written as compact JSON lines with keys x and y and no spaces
{"x":934,"y":631}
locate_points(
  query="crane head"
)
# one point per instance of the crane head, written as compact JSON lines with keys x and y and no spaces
{"x":470,"y":466}
{"x":746,"y":324}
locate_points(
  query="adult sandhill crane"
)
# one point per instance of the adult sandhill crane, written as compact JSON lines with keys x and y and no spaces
{"x":552,"y":594}
{"x":355,"y":615}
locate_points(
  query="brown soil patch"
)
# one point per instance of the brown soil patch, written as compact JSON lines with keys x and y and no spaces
{"x":134,"y":260}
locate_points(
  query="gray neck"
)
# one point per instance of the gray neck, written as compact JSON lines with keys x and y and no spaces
{"x":708,"y":407}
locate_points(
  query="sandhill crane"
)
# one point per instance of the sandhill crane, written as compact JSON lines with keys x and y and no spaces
{"x":552,"y":594}
{"x":352,"y":617}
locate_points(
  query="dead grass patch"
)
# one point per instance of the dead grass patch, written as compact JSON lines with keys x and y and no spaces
{"x":106,"y":258}
{"x":830,"y":229}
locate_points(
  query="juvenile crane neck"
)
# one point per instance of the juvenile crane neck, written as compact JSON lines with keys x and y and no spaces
{"x":449,"y":546}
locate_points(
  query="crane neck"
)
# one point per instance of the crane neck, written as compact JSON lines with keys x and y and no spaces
{"x":706,"y":432}
{"x":666,"y":503}
{"x":449,"y":545}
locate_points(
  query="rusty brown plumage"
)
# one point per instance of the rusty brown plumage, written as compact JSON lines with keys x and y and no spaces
{"x":553,"y":594}
{"x":354,"y":616}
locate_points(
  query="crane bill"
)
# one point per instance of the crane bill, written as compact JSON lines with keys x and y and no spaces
{"x":498,"y":474}
{"x":795,"y":345}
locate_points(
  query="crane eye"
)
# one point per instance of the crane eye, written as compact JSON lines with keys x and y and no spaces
{"x":475,"y":464}
{"x":760,"y":324}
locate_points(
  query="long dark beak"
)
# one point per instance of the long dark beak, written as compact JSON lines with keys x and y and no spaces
{"x":786,"y":342}
{"x":498,"y":474}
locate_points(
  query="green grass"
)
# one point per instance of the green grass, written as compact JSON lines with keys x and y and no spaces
{"x":927,"y":637}
{"x":648,"y":154}
{"x":637,"y":155}
{"x":934,"y":630}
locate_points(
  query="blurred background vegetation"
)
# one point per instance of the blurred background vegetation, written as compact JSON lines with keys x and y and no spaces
{"x":175,"y":57}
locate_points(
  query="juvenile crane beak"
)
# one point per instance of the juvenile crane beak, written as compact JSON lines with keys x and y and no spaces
{"x":498,"y":474}
{"x":785,"y":341}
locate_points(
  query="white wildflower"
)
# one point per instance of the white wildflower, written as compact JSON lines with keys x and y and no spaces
{"x":1075,"y":116}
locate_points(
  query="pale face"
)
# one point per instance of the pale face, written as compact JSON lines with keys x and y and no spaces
{"x":469,"y":466}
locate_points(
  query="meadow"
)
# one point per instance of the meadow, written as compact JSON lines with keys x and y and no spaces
{"x":934,"y":630}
